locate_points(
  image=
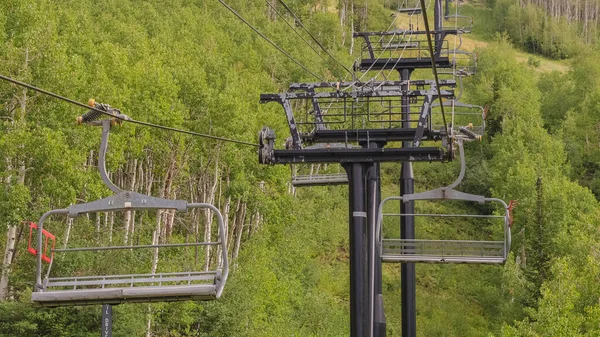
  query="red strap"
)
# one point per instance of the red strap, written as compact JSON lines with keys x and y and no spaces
{"x":48,"y":236}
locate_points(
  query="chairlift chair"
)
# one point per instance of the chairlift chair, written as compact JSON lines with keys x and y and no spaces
{"x":56,"y":290}
{"x":466,"y":119}
{"x":463,"y":63}
{"x":463,"y":23}
{"x":315,"y":178}
{"x":410,"y":11}
{"x":405,"y":9}
{"x":446,"y":251}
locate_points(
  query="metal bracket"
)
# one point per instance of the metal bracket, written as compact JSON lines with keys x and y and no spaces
{"x":125,"y":200}
{"x":422,"y":124}
{"x":266,"y":141}
{"x":317,"y":111}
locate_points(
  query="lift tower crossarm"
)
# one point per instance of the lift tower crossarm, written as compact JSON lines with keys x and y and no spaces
{"x":282,"y":97}
{"x":369,"y":84}
{"x":372,"y":135}
{"x":407,"y":31}
{"x":361,"y":155}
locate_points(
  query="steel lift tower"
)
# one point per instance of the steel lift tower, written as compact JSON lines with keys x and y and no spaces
{"x":406,"y":51}
{"x":352,"y":127}
{"x":362,"y":124}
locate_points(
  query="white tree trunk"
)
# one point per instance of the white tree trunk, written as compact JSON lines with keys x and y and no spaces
{"x":8,"y":257}
{"x":68,"y":232}
{"x":149,"y":322}
{"x":208,"y":219}
{"x":239,"y":230}
{"x":129,"y":214}
{"x":231,"y":237}
{"x":226,"y":210}
{"x":352,"y":26}
{"x":111,"y":225}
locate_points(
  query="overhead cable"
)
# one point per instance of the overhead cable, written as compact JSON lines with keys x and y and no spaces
{"x":62,"y":98}
{"x":312,"y":36}
{"x":294,"y":29}
{"x":401,"y":54}
{"x":271,"y":42}
{"x":433,"y":65}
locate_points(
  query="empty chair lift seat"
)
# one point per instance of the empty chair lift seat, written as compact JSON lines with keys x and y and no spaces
{"x":441,"y":251}
{"x":122,"y":288}
{"x":123,"y":281}
{"x":128,"y":288}
{"x":446,"y":251}
{"x":320,"y":179}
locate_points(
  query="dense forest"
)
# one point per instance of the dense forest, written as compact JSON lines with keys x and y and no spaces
{"x":193,"y":65}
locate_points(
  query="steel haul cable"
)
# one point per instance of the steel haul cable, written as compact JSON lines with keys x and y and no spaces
{"x":294,"y":29}
{"x":395,"y":49}
{"x":168,"y":128}
{"x":401,"y":54}
{"x":312,"y":36}
{"x":433,"y":65}
{"x":271,"y":42}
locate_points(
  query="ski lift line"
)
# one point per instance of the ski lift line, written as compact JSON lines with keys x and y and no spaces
{"x":434,"y":67}
{"x":312,"y":36}
{"x":122,"y":117}
{"x":270,"y":41}
{"x":294,"y":29}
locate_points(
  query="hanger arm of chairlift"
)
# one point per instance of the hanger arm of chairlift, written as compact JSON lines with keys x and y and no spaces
{"x":444,"y":251}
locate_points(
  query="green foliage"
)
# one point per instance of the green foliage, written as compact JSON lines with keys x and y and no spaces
{"x":531,"y":28}
{"x":193,"y":65}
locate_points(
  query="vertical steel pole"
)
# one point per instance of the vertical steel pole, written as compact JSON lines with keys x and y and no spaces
{"x":407,"y":227}
{"x":358,"y":266}
{"x":373,"y":199}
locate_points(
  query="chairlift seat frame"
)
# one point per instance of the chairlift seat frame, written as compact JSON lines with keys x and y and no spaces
{"x":114,"y":289}
{"x":461,"y":110}
{"x":445,"y":251}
